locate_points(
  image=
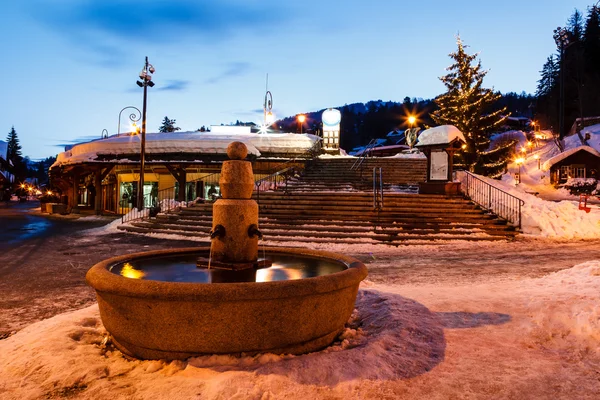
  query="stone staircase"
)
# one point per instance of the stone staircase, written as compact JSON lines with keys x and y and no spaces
{"x":332,"y":203}
{"x":346,"y":217}
{"x":336,"y":174}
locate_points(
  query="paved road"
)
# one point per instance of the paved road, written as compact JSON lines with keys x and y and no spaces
{"x":18,"y":224}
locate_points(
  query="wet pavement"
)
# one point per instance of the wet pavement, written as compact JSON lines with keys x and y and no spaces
{"x":19,"y":223}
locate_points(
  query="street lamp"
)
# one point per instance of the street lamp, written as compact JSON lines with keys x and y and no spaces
{"x":537,"y":157}
{"x":519,"y":161}
{"x":268,"y":109}
{"x":530,"y":145}
{"x":562,"y":39}
{"x":133,"y":117}
{"x":301,"y":119}
{"x":146,"y":80}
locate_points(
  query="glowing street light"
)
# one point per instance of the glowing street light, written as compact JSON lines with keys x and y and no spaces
{"x":411,"y":120}
{"x":519,"y":161}
{"x":530,"y":145}
{"x":268,"y":117}
{"x":301,"y":119}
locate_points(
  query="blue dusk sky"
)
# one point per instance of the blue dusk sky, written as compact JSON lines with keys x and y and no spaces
{"x":68,"y":67}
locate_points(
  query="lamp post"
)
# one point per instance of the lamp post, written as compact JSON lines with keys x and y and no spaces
{"x":301,"y":119}
{"x":133,"y":117}
{"x":561,"y":37}
{"x":538,"y":160}
{"x":519,"y":161}
{"x":268,"y":107}
{"x":146,"y":80}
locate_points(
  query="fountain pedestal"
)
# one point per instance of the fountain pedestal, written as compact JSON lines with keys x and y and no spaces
{"x":235,"y":248}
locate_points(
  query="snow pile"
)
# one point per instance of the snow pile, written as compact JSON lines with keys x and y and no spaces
{"x":70,"y":354}
{"x":442,"y":134}
{"x":565,"y":308}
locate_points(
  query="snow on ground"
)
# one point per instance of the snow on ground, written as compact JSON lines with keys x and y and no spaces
{"x":524,"y":338}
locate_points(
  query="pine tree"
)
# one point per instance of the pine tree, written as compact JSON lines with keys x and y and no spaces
{"x":549,"y":77}
{"x":467,"y":105}
{"x":168,"y":125}
{"x":14,"y":148}
{"x":575,"y":25}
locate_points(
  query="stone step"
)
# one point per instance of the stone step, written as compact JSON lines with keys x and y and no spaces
{"x":293,"y":221}
{"x":389,"y":229}
{"x":374,"y":239}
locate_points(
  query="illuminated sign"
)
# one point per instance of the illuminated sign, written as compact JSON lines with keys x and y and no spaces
{"x":331,"y":128}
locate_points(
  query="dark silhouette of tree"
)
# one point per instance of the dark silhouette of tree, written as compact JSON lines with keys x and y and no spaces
{"x":168,"y":125}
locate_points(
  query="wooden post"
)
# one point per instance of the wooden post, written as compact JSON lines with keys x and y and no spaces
{"x":98,"y":195}
{"x":180,"y":175}
{"x":75,"y":187}
{"x":98,"y":178}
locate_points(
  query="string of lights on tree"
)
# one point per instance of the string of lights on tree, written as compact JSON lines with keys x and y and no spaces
{"x":468,"y":106}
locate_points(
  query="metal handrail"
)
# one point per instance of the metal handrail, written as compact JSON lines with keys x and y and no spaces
{"x":162,"y":201}
{"x":492,"y":199}
{"x":274,"y":181}
{"x":377,"y":188}
{"x":364,"y":155}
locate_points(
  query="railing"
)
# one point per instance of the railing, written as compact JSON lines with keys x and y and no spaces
{"x":164,"y":200}
{"x":358,"y":163}
{"x":274,"y":181}
{"x":377,"y":188}
{"x":492,"y":199}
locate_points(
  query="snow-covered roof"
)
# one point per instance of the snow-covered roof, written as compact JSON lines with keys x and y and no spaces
{"x":187,"y":142}
{"x":558,"y":158}
{"x":442,"y":134}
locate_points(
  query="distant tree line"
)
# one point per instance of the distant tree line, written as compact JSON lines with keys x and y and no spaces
{"x":362,"y":122}
{"x":581,"y":69}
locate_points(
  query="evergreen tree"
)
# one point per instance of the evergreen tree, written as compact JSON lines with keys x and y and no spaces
{"x":549,"y":77}
{"x":168,"y":125}
{"x":575,"y":25}
{"x":14,"y":148}
{"x":465,"y":105}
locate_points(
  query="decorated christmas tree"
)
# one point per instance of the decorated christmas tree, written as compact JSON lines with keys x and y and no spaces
{"x":469,"y":107}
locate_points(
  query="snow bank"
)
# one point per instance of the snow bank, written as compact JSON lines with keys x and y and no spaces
{"x":548,"y":219}
{"x":565,"y":308}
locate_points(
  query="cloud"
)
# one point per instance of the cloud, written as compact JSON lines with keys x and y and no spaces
{"x":232,"y":70}
{"x":175,"y":85}
{"x":104,"y":27}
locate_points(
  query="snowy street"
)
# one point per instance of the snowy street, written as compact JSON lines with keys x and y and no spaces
{"x":448,"y":320}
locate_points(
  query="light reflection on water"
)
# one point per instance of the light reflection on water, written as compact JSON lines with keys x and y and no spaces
{"x":183,"y":269}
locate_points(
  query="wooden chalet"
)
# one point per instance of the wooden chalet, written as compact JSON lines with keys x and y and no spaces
{"x":578,"y":162}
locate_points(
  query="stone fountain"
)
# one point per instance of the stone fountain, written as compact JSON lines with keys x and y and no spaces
{"x":175,"y":304}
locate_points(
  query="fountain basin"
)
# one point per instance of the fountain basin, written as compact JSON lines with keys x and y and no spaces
{"x":153,"y":319}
